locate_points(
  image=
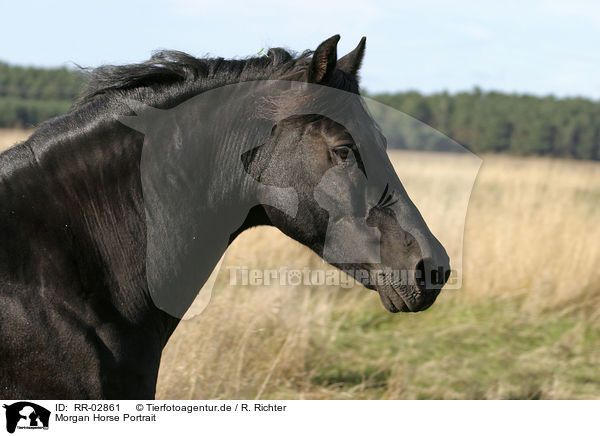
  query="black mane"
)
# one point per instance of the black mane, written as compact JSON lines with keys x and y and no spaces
{"x":171,"y":70}
{"x":165,"y":80}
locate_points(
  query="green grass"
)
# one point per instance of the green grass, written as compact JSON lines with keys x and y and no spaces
{"x":490,"y":350}
{"x":341,"y":344}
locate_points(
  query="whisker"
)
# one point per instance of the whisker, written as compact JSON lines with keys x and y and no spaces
{"x":383,"y":195}
{"x":389,"y":197}
{"x":392,"y":203}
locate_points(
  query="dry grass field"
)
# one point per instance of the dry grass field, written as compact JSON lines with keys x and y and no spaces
{"x":9,"y":137}
{"x":526,"y":323}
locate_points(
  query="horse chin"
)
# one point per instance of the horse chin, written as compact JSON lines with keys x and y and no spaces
{"x":405,"y":299}
{"x":394,"y":307}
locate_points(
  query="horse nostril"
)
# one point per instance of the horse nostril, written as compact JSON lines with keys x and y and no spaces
{"x":429,"y":276}
{"x":420,"y":275}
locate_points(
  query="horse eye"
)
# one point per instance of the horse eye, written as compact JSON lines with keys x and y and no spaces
{"x":342,"y":152}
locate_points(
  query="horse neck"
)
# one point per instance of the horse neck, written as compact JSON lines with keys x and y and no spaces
{"x":89,"y":193}
{"x":84,"y":184}
{"x":196,"y":197}
{"x":110,"y":177}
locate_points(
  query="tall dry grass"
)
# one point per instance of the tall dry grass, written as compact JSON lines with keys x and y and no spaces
{"x":9,"y":137}
{"x":526,"y":323}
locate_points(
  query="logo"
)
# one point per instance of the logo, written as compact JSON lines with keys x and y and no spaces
{"x":352,"y":193}
{"x":26,"y":415}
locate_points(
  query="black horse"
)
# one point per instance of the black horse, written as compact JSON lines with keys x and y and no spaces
{"x":77,"y":318}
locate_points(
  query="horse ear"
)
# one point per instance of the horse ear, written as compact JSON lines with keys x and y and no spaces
{"x":351,"y":62}
{"x":323,"y":61}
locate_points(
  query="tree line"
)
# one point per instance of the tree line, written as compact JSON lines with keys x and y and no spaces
{"x":506,"y":123}
{"x":29,"y":95}
{"x":481,"y":121}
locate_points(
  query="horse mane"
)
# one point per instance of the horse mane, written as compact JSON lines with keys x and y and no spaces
{"x":169,"y":68}
{"x":168,"y":78}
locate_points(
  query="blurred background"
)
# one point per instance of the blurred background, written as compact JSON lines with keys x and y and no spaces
{"x":515,"y":82}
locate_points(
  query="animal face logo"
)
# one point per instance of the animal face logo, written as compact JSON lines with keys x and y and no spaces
{"x":313,"y":161}
{"x":26,"y":415}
